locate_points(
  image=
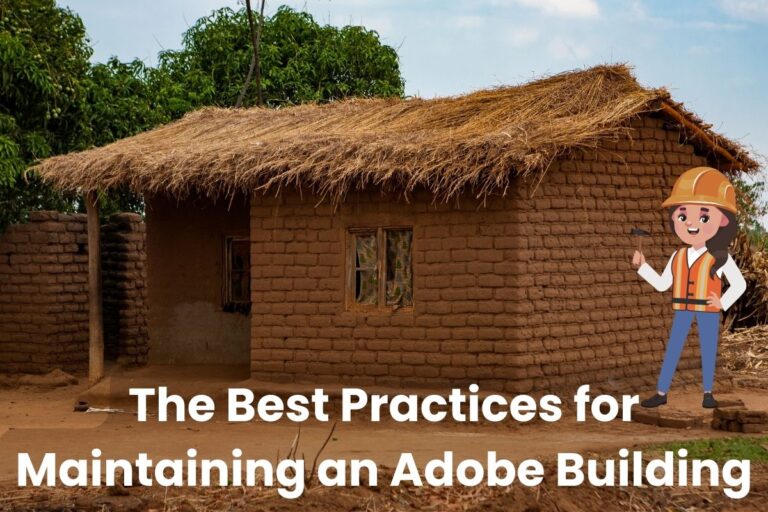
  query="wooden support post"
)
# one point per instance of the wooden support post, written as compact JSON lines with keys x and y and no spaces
{"x":95,"y":316}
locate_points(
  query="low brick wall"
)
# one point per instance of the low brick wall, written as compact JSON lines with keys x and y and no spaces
{"x":44,"y":293}
{"x":123,"y":260}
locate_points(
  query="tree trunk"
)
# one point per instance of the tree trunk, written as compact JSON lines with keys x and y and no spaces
{"x":255,"y":64}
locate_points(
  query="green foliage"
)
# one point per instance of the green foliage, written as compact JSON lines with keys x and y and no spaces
{"x":27,"y":194}
{"x":752,"y":206}
{"x":301,"y":61}
{"x":121,"y":101}
{"x":721,"y":450}
{"x":43,"y":61}
{"x":52,"y":100}
{"x":759,"y":237}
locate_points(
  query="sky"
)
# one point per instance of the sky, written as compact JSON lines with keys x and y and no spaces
{"x":710,"y":54}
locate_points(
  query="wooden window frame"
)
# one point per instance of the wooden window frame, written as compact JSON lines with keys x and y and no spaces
{"x":229,"y":301}
{"x":381,"y":268}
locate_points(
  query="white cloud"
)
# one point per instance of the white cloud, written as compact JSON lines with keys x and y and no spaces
{"x":466,"y":21}
{"x":637,"y":12}
{"x":561,"y":8}
{"x":701,"y":50}
{"x":636,"y":8}
{"x":713,"y":25}
{"x":562,"y":48}
{"x":746,"y":9}
{"x":520,"y":37}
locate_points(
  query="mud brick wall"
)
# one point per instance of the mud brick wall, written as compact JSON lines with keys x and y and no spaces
{"x":44,"y":294}
{"x":123,"y":258}
{"x":520,"y":294}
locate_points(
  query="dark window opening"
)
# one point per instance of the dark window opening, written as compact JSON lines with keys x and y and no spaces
{"x":237,"y":275}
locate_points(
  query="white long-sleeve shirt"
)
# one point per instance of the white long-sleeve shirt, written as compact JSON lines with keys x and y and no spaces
{"x":736,"y":283}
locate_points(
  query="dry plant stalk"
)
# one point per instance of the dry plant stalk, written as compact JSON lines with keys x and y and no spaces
{"x":752,"y":308}
{"x":317,"y":455}
{"x":745,"y":351}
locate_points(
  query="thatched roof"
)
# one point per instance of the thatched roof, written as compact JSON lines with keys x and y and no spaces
{"x":479,"y":141}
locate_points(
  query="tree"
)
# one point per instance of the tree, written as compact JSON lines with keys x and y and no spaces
{"x":121,"y":101}
{"x":43,"y":63}
{"x":752,"y":208}
{"x":301,"y":61}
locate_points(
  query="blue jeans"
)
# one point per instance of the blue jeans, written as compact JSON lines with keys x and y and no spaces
{"x":709,"y":330}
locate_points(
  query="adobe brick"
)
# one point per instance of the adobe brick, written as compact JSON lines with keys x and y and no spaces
{"x":19,"y":259}
{"x":389,"y":357}
{"x":13,"y":236}
{"x":376,"y":369}
{"x":452,"y":243}
{"x":426,"y":371}
{"x":52,"y":227}
{"x":463,"y":281}
{"x":414,"y":358}
{"x":491,"y":280}
{"x":476,"y":267}
{"x":464,"y":360}
{"x":364,"y":356}
{"x":453,"y":372}
{"x":480,"y":242}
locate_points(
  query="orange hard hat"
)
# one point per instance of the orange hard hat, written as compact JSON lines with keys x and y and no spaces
{"x":703,"y":185}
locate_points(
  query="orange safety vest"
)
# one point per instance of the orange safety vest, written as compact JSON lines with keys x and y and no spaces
{"x":691,"y":286}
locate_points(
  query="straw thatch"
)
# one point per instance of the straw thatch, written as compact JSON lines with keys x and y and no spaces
{"x":752,"y":308}
{"x":478,"y":142}
{"x":746,"y":350}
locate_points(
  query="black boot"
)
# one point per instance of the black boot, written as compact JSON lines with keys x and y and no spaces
{"x":654,"y":401}
{"x":709,"y":401}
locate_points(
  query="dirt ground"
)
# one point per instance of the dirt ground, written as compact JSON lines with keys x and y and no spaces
{"x":39,"y":420}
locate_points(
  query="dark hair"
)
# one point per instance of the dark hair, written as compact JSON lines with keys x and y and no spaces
{"x":718,"y":244}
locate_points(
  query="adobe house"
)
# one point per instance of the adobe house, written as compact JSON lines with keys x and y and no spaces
{"x":480,"y":238}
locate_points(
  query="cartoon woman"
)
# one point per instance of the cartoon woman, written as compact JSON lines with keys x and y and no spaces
{"x":702,"y":210}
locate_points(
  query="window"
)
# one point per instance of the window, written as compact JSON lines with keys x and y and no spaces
{"x":380,"y":269}
{"x":237,"y":274}
{"x":366,"y":268}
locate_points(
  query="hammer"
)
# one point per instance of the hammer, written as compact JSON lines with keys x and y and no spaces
{"x":640,"y":233}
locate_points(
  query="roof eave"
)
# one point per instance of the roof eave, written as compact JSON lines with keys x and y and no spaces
{"x":733,"y":163}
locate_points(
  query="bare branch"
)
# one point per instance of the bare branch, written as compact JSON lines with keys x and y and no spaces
{"x":255,"y":64}
{"x":247,"y":82}
{"x":259,"y":93}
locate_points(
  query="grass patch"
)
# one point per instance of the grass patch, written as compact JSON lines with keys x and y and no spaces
{"x":720,"y":450}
